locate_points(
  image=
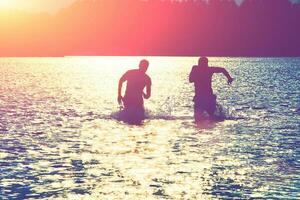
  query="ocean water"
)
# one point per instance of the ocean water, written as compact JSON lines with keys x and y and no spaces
{"x":59,"y":137}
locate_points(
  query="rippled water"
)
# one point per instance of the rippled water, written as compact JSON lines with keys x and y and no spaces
{"x":59,"y":137}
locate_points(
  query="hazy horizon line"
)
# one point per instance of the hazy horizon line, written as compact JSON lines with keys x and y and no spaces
{"x":211,"y":56}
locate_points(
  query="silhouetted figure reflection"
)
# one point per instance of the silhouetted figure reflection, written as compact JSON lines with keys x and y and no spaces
{"x":205,"y":100}
{"x":133,"y":100}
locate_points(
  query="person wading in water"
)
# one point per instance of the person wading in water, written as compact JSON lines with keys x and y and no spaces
{"x":133,"y":100}
{"x":204,"y":99}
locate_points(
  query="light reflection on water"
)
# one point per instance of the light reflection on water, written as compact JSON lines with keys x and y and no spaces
{"x":59,"y":138}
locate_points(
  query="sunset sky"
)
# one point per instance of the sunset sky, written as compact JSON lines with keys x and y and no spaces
{"x":53,"y":6}
{"x":153,"y":27}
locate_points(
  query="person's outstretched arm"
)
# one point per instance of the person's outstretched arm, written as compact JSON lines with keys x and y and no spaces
{"x":192,"y":75}
{"x":121,"y":81}
{"x":148,"y":90}
{"x":224,"y":72}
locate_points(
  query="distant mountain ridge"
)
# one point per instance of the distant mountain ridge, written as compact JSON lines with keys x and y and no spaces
{"x":155,"y":27}
{"x":239,"y":2}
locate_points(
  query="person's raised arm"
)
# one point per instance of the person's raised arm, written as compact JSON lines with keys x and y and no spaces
{"x":224,"y":72}
{"x":148,"y":90}
{"x":192,"y":75}
{"x":121,"y":81}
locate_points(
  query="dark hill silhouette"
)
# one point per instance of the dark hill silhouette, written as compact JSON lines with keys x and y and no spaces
{"x":133,"y":27}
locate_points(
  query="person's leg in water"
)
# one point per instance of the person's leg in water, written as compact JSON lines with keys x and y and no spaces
{"x":134,"y":110}
{"x":198,"y":110}
{"x":211,"y":107}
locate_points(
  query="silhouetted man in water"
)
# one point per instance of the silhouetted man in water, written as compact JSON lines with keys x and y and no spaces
{"x":133,"y":101}
{"x":205,"y":100}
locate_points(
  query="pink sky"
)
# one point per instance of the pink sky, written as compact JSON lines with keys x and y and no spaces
{"x":133,"y":27}
{"x":53,"y":6}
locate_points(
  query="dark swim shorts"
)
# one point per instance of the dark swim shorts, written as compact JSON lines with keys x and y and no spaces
{"x":205,"y":103}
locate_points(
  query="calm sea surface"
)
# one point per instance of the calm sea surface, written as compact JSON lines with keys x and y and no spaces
{"x":59,"y":137}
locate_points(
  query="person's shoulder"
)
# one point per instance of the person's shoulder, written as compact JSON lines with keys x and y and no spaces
{"x":147,"y":78}
{"x":131,"y":71}
{"x":216,"y":69}
{"x":195,"y":68}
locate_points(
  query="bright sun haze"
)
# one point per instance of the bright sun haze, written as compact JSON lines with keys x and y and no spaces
{"x":35,"y":5}
{"x":5,"y":3}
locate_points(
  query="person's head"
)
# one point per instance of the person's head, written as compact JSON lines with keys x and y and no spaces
{"x":203,"y":62}
{"x":144,"y":64}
